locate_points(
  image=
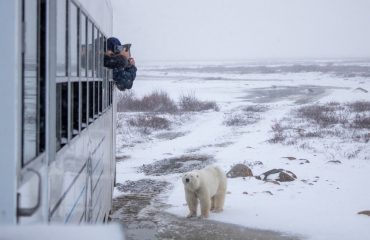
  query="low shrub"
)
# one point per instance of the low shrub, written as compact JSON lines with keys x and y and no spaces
{"x":189,"y":103}
{"x":150,"y":121}
{"x":157,"y":101}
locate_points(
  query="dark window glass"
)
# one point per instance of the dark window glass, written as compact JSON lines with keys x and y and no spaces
{"x":100,"y":96}
{"x":91,"y":101}
{"x":104,"y":89}
{"x":33,"y":74}
{"x":61,"y":114}
{"x":90,"y":52}
{"x":101,"y":55}
{"x":30,"y":80}
{"x":84,"y":105}
{"x":83,"y":49}
{"x":73,"y":39}
{"x":97,"y":53}
{"x":61,"y":38}
{"x":110,"y":93}
{"x":96,"y":98}
{"x":75,"y":116}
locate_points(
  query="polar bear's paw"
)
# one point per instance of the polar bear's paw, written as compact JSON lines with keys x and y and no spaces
{"x":216,"y":210}
{"x":191,"y":215}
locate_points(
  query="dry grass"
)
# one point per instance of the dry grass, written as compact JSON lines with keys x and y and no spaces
{"x":349,"y":121}
{"x":157,"y":111}
{"x":256,"y":108}
{"x":189,"y":103}
{"x":160,"y":102}
{"x":150,"y":121}
{"x":240,"y":119}
{"x":324,"y":115}
{"x":157,"y":101}
{"x":242,"y":116}
{"x":361,"y":121}
{"x":360,"y":106}
{"x":279,"y":133}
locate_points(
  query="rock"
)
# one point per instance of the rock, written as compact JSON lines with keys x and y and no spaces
{"x":366,"y":212}
{"x":268,"y":192}
{"x":359,"y":89}
{"x":239,"y":170}
{"x":286,"y":176}
{"x":280,"y":175}
{"x":246,"y":193}
{"x":304,"y":160}
{"x":334,"y":162}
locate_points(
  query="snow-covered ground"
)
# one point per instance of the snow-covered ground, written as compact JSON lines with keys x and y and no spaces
{"x":324,"y":200}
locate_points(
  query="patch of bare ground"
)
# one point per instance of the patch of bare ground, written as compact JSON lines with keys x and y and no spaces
{"x":179,"y":164}
{"x":138,"y":198}
{"x":349,"y":123}
{"x":141,"y":211}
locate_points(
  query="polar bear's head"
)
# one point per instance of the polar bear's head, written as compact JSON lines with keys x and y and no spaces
{"x":191,"y":180}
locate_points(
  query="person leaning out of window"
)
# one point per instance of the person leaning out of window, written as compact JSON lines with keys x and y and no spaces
{"x":118,"y":57}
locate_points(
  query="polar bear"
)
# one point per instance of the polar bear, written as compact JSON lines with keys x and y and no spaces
{"x":209,"y":186}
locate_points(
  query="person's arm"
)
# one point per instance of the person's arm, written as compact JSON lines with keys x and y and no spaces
{"x":115,"y":61}
{"x":124,"y":77}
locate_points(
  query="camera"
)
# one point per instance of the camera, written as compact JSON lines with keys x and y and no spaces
{"x":120,"y":48}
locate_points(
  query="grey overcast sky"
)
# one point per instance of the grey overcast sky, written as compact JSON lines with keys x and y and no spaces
{"x":243,"y":29}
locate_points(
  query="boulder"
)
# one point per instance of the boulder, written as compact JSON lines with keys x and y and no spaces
{"x":239,"y":170}
{"x":334,"y":162}
{"x":359,"y":89}
{"x":280,"y":175}
{"x":367,"y":213}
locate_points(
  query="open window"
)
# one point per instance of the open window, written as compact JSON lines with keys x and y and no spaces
{"x":33,"y":79}
{"x":62,"y":75}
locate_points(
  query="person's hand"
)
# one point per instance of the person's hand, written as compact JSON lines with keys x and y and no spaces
{"x":131,"y":61}
{"x":125,"y":53}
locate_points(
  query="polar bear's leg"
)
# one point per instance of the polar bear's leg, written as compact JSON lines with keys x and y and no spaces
{"x":205,"y":204}
{"x":219,"y":202}
{"x":213,"y":203}
{"x":192,"y":202}
{"x":220,"y":198}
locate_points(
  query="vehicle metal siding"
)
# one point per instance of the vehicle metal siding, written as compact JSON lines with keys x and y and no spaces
{"x":10,"y":122}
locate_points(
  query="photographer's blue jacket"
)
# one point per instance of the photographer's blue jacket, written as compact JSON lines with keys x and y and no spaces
{"x":124,"y":77}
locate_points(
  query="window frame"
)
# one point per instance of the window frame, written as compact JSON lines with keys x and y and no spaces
{"x":94,"y":94}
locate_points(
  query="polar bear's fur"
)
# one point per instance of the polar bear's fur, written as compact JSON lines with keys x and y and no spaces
{"x":209,"y":186}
